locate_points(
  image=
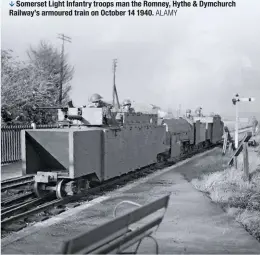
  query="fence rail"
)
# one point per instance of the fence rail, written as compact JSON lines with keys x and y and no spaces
{"x":11,"y":141}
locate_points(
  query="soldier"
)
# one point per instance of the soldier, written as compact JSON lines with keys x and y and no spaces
{"x":127,"y":106}
{"x":70,"y":104}
{"x":188,"y":113}
{"x":96,"y":102}
{"x":198,"y":112}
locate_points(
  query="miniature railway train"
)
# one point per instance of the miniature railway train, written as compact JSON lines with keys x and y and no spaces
{"x":70,"y":159}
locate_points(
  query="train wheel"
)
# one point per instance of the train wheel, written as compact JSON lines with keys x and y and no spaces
{"x":60,"y":193}
{"x":38,"y":190}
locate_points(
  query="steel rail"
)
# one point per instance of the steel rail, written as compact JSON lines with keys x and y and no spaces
{"x":16,"y":182}
{"x":25,"y":206}
{"x":16,"y":199}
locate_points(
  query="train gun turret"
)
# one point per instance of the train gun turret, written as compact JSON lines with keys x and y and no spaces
{"x":76,"y":116}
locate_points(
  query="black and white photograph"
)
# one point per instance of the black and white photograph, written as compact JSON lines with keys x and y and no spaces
{"x":130,"y":127}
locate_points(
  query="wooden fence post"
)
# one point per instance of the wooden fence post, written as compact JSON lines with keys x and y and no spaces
{"x":245,"y":161}
{"x":235,"y":162}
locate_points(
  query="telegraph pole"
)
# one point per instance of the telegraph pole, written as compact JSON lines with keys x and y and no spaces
{"x":67,"y":39}
{"x":114,"y":84}
{"x":235,"y":102}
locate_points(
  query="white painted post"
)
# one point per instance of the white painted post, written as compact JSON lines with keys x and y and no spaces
{"x":33,"y":125}
{"x":236,"y":127}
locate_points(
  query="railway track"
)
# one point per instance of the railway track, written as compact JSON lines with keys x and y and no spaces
{"x":16,"y":182}
{"x":38,"y":205}
{"x":23,"y":207}
{"x":11,"y":201}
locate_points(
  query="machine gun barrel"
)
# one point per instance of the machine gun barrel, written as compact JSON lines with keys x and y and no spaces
{"x":74,"y":117}
{"x":50,"y":107}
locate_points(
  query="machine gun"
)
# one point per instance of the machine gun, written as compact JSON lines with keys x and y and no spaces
{"x":76,"y":116}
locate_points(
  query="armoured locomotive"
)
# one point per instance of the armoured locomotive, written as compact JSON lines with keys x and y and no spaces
{"x":84,"y":152}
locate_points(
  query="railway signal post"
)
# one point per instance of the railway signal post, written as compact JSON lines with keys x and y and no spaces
{"x":115,"y":95}
{"x":235,"y":102}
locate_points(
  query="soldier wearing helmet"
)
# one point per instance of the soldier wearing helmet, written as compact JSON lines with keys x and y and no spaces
{"x":198,"y":112}
{"x":126,"y":106}
{"x":188,"y":113}
{"x":96,"y":102}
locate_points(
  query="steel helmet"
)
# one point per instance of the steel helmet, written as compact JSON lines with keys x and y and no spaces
{"x":95,"y":97}
{"x":126,"y":102}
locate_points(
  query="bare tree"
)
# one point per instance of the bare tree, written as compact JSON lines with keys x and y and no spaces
{"x":47,"y":61}
{"x":35,"y":82}
{"x":16,"y":80}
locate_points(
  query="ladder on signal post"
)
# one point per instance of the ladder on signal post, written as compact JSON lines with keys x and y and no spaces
{"x":243,"y":146}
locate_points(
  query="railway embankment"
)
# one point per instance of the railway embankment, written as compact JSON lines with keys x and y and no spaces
{"x":239,"y":198}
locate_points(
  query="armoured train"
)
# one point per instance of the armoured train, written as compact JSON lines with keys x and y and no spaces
{"x":83,"y":152}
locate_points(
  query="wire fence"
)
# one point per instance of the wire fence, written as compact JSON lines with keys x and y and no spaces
{"x":11,"y":141}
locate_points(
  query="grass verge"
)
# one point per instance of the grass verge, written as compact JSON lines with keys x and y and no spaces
{"x":241,"y":125}
{"x":239,"y":198}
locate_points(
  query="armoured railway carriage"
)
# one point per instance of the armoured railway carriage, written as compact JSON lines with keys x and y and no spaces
{"x":186,"y":135}
{"x":72,"y":158}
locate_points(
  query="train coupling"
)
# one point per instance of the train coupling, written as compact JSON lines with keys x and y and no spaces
{"x":46,"y":177}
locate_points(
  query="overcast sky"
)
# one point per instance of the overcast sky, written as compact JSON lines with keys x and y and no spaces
{"x":201,"y":57}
